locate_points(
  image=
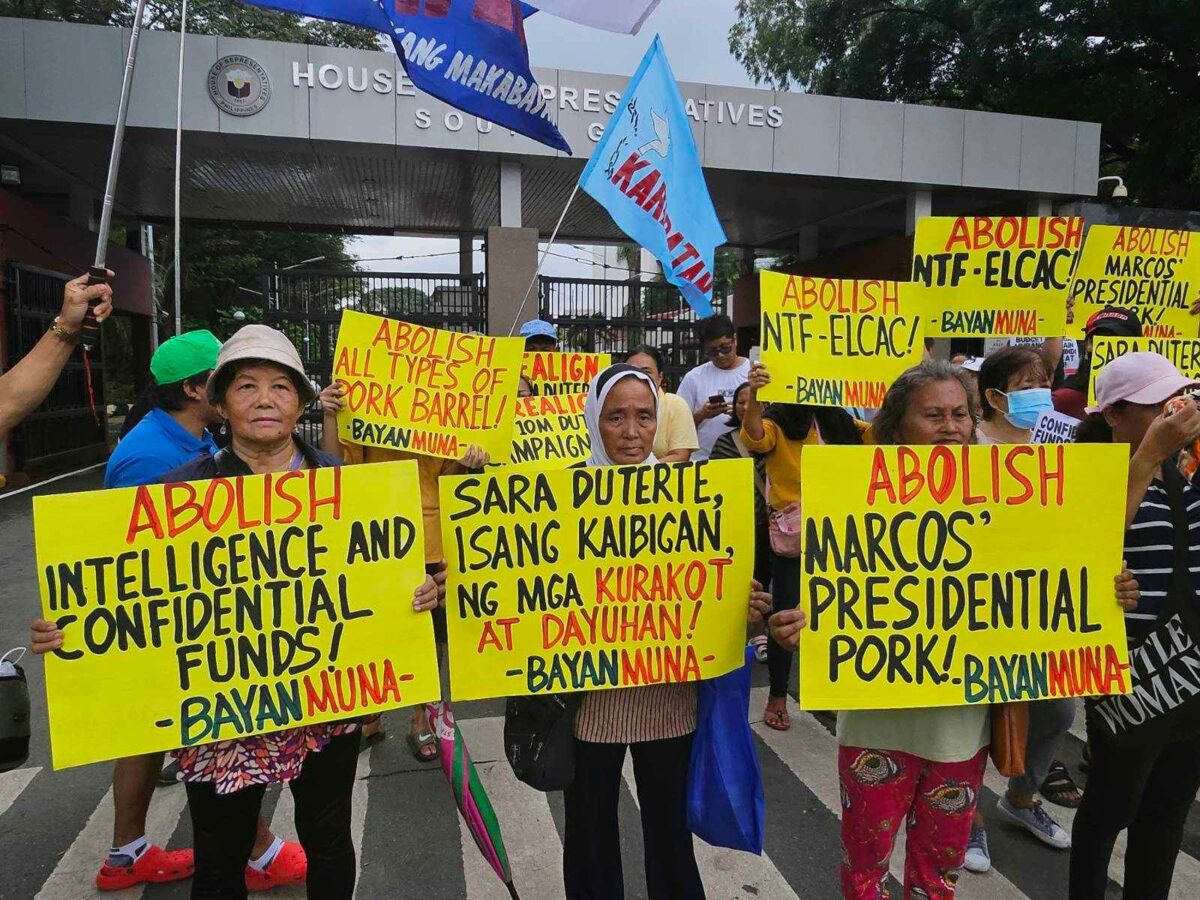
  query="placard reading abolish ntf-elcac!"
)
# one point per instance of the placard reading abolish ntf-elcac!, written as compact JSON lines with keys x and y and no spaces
{"x":555,"y":372}
{"x":1153,"y":271}
{"x":995,"y":276}
{"x":424,"y":390}
{"x":593,"y":578}
{"x":832,"y":342}
{"x":550,"y":432}
{"x":232,"y":607}
{"x":944,"y":576}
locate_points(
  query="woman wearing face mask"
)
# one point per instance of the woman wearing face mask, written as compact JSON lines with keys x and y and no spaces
{"x":1014,"y":390}
{"x":655,"y":723}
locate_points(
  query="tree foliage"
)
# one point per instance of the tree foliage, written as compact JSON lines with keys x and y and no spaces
{"x":1131,"y":65}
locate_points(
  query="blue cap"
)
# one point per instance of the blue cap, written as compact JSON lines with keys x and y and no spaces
{"x":538,"y":328}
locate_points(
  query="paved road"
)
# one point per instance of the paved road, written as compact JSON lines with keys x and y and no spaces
{"x":55,"y":826}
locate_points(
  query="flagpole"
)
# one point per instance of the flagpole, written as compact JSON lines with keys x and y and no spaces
{"x":542,"y":261}
{"x":178,"y":172}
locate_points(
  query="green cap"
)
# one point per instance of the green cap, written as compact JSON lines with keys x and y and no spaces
{"x":185,"y":355}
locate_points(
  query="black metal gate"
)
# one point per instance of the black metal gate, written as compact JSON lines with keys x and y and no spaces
{"x":598,"y":316}
{"x":62,"y":432}
{"x":307,"y":305}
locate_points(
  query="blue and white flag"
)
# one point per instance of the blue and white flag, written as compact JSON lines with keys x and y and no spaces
{"x":645,"y":171}
{"x":468,"y":53}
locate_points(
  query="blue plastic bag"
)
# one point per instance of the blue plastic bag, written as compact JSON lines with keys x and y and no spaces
{"x":725,"y":788}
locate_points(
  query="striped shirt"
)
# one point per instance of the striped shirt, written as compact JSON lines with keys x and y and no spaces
{"x":1149,"y":551}
{"x":657,"y":712}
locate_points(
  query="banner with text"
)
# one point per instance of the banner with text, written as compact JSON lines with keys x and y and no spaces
{"x":1153,"y":271}
{"x":550,"y":432}
{"x":592,"y":578}
{"x":832,"y":342}
{"x":552,"y":372}
{"x":998,"y":276}
{"x":409,"y":387}
{"x":944,"y":576}
{"x":232,"y":607}
{"x":1184,"y":353}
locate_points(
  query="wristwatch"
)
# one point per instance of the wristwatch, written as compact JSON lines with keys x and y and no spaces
{"x":63,"y":334}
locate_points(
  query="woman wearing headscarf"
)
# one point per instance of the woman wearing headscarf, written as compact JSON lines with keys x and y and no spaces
{"x":655,"y":723}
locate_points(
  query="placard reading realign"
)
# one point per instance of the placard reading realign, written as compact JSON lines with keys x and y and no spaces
{"x":832,"y":342}
{"x":1002,"y":276}
{"x":944,"y":576}
{"x":596,"y":578}
{"x":1153,"y":271}
{"x":550,"y":432}
{"x":1184,"y":353}
{"x":232,"y":607}
{"x":554,"y":372}
{"x":424,"y":390}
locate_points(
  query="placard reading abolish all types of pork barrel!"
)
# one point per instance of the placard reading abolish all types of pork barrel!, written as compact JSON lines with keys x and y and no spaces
{"x":554,"y":372}
{"x":1153,"y":271}
{"x":1002,"y":276}
{"x":424,"y":390}
{"x":944,"y":576}
{"x":831,"y":342}
{"x":594,"y":578}
{"x":1184,"y":353}
{"x":232,"y":607}
{"x":549,"y":432}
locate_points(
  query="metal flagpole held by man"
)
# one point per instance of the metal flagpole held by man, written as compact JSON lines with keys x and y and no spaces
{"x":99,"y":273}
{"x":179,"y":172}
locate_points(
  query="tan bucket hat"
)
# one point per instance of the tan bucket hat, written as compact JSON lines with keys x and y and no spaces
{"x":265,"y":343}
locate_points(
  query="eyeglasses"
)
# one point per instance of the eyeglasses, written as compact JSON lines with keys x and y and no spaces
{"x":712,"y":352}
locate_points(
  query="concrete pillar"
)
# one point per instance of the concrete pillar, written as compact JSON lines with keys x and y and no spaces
{"x":81,"y":209}
{"x":466,"y":257}
{"x":512,"y":258}
{"x":510,"y":195}
{"x":917,"y":205}
{"x":807,"y":244}
{"x":1041,"y":205}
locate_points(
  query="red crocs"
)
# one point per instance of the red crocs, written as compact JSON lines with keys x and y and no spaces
{"x":290,"y":866}
{"x":155,"y":866}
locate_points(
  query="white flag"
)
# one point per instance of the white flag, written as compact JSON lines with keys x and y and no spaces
{"x":621,"y":16}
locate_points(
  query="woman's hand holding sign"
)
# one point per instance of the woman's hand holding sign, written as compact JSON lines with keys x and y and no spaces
{"x":1128,"y":593}
{"x":44,"y":637}
{"x":760,"y":603}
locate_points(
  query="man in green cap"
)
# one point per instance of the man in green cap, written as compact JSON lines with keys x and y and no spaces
{"x":174,"y":432}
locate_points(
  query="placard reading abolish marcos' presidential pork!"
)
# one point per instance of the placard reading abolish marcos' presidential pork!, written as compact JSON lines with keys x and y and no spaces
{"x":943,"y":576}
{"x":831,"y":342}
{"x":1153,"y":271}
{"x":565,"y":372}
{"x":424,"y":390}
{"x":232,"y":607}
{"x":591,"y":578}
{"x":999,"y":276}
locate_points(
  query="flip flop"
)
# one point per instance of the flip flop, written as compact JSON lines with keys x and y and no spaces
{"x":371,"y":740}
{"x":417,"y":744}
{"x":778,"y":719}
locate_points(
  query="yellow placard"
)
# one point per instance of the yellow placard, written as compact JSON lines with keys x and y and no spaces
{"x":424,"y":390}
{"x":995,"y":276}
{"x":550,"y":432}
{"x":232,"y":607}
{"x":595,"y":578}
{"x":947,"y":576}
{"x":1153,"y":271}
{"x":1184,"y":353}
{"x":832,"y":342}
{"x":553,"y":372}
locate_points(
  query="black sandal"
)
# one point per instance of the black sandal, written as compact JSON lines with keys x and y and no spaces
{"x":1059,"y":787}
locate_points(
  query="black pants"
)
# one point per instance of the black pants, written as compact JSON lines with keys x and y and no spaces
{"x":1148,"y":790}
{"x":785,"y":591}
{"x":592,"y":849}
{"x":225,"y":825}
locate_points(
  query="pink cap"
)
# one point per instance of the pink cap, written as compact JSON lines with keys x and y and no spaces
{"x":1143,"y":378}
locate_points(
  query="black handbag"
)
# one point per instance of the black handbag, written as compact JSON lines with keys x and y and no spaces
{"x":1164,"y":704}
{"x":539,"y":739}
{"x":14,"y":714}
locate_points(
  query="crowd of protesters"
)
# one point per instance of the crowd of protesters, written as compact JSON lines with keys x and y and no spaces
{"x":922,"y":768}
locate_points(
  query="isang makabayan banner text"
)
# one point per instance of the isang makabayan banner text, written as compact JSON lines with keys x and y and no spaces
{"x":947,"y":575}
{"x":595,"y":578}
{"x":231,"y":607}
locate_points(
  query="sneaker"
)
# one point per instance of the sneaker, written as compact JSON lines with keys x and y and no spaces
{"x":978,"y":858}
{"x":1037,"y":822}
{"x":290,"y":866}
{"x":170,"y":774}
{"x":155,"y":866}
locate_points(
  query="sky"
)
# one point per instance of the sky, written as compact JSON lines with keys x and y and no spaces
{"x":695,"y":33}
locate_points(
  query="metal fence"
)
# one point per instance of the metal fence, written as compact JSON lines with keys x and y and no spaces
{"x":307,"y":306}
{"x":600,"y":316}
{"x":63,"y":431}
